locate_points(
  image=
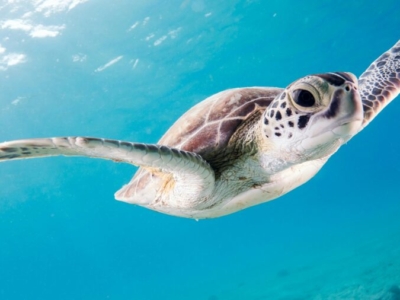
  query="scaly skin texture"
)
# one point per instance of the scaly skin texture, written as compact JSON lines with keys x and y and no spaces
{"x":380,"y":83}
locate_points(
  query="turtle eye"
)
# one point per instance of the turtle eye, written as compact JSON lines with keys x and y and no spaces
{"x":303,"y":98}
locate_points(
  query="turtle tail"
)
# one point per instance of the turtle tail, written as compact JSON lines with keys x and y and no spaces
{"x":380,"y":83}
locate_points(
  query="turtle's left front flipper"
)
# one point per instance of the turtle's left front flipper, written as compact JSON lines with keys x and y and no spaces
{"x":380,"y":83}
{"x":190,"y":171}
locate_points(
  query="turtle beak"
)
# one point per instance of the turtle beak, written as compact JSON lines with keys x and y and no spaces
{"x":343,"y":117}
{"x":350,"y":121}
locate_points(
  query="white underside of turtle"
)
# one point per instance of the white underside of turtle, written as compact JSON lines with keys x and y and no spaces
{"x":240,"y":147}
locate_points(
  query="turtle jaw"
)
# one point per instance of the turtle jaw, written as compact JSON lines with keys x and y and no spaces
{"x":337,"y":124}
{"x":343,"y":117}
{"x":329,"y":141}
{"x":348,"y":129}
{"x":343,"y":129}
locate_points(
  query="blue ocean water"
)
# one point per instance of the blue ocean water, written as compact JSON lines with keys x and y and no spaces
{"x":127,"y":70}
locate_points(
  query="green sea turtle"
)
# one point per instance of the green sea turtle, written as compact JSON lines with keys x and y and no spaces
{"x":240,"y":147}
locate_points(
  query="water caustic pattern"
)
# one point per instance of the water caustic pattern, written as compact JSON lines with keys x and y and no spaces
{"x":125,"y":71}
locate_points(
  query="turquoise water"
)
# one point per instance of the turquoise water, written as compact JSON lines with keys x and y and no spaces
{"x":126,"y":70}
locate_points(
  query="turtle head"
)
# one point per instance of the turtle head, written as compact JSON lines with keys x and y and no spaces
{"x":313,"y":116}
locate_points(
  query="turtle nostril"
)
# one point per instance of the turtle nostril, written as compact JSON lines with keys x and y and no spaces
{"x":347,"y":87}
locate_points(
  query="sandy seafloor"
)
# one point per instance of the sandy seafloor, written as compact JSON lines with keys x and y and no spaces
{"x":126,"y":70}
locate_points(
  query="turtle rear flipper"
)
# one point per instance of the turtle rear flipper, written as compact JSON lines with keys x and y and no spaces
{"x":380,"y":83}
{"x":190,"y":176}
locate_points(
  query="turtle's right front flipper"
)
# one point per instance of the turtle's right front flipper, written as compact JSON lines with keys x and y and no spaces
{"x":192,"y":176}
{"x":380,"y":83}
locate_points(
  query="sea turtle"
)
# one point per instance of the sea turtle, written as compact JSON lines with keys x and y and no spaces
{"x":242,"y":146}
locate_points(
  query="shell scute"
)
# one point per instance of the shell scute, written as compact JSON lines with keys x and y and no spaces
{"x":208,"y":126}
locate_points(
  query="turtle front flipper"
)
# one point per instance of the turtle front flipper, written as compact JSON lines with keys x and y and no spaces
{"x":380,"y":83}
{"x":189,"y":176}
